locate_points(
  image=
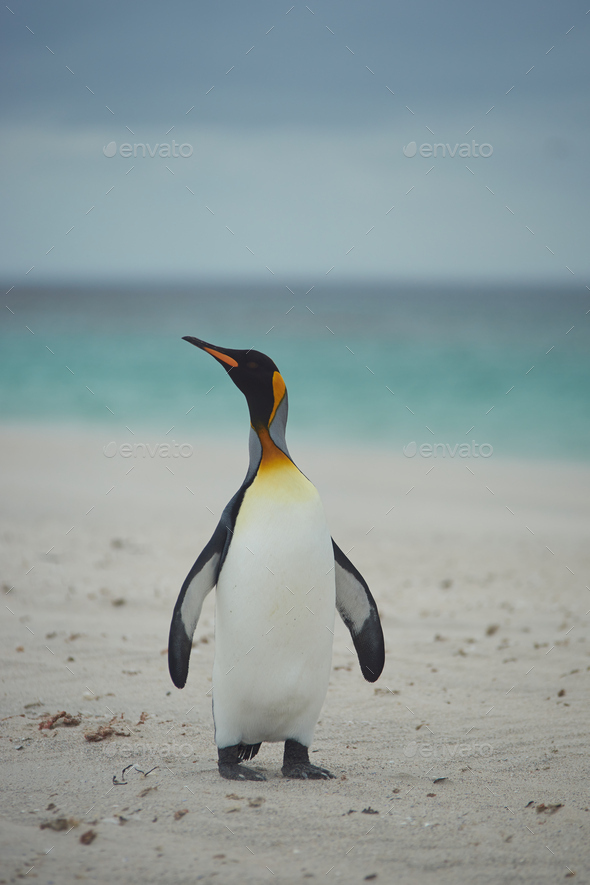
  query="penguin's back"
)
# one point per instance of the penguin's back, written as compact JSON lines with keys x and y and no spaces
{"x":275,"y":606}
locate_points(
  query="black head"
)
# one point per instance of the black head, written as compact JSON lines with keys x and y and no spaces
{"x":255,"y":374}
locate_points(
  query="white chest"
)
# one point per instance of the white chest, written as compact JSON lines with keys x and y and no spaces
{"x":275,"y":607}
{"x":280,"y":558}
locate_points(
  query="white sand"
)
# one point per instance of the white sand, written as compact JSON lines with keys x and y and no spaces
{"x":485,"y":683}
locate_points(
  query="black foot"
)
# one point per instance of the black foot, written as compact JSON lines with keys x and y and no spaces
{"x":238,"y":772}
{"x":306,"y":771}
{"x":296,"y":764}
{"x":231,"y":770}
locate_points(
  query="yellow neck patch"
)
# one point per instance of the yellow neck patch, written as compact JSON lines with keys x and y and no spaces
{"x":272,"y":456}
{"x":277,"y":476}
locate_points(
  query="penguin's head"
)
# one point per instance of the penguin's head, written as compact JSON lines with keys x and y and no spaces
{"x":256,"y":375}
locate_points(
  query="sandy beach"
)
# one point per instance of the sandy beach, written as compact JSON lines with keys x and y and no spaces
{"x":467,"y":761}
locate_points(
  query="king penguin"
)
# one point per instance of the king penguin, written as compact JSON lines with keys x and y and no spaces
{"x":279,"y":578}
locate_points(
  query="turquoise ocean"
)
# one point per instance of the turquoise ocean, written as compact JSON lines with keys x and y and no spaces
{"x":506,"y":366}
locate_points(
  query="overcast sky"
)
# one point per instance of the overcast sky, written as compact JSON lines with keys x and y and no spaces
{"x":292,"y":121}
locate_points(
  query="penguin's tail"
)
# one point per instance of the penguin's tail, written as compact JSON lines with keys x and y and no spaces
{"x":247,"y":751}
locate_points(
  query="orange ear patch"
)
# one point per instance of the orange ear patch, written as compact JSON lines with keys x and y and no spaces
{"x":222,"y":356}
{"x":278,"y":389}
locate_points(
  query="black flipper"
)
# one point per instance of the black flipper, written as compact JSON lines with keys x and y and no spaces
{"x":198,"y":583}
{"x":357,"y":609}
{"x":201,"y":579}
